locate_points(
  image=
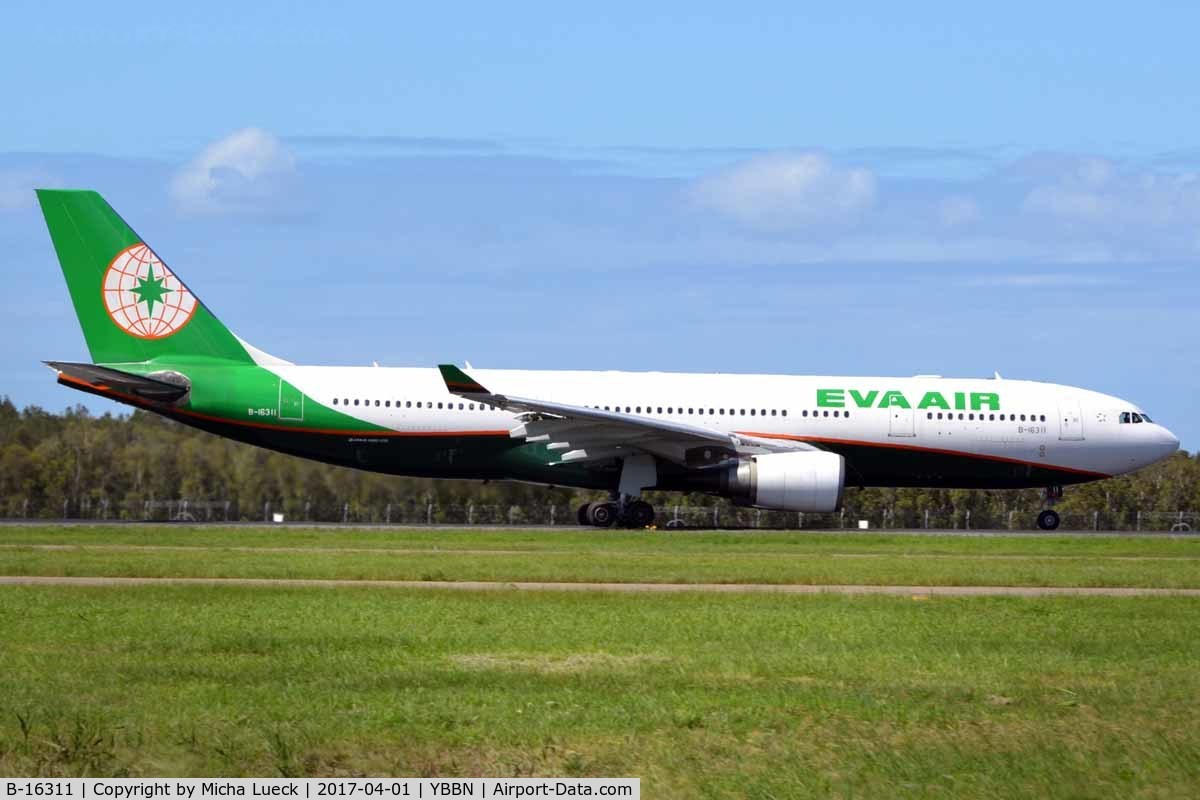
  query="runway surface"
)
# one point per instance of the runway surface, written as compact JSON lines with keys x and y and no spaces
{"x":333,"y":527}
{"x":661,"y":588}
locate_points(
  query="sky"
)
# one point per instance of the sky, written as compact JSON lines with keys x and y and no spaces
{"x":884,"y":190}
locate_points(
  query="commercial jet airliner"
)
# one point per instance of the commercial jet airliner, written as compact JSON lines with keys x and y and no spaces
{"x":779,"y":442}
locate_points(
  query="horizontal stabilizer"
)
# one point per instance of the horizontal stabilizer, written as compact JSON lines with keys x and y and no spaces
{"x":107,"y":379}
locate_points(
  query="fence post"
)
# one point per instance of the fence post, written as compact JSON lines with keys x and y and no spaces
{"x":307,"y":510}
{"x":716,"y":517}
{"x":758,"y":518}
{"x":429,"y":513}
{"x":1010,"y":520}
{"x":65,"y":502}
{"x":927,"y":519}
{"x":345,"y":513}
{"x":511,"y":509}
{"x":676,"y":514}
{"x":387,"y":514}
{"x":551,"y":515}
{"x":1095,"y":520}
{"x":104,"y":508}
{"x":470,"y":513}
{"x":800,"y":520}
{"x":25,"y":508}
{"x":967,"y":523}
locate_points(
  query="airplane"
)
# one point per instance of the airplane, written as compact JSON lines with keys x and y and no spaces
{"x":779,"y":442}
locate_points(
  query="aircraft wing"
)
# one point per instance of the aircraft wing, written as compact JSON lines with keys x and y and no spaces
{"x":104,"y":379}
{"x":583,"y":434}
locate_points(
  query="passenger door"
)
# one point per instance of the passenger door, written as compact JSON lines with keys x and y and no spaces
{"x":1070,"y":419}
{"x":902,"y":422}
{"x":291,"y":402}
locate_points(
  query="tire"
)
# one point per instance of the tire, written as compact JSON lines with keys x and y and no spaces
{"x":640,"y":514}
{"x":1048,"y":520}
{"x":602,"y":515}
{"x":583,"y":514}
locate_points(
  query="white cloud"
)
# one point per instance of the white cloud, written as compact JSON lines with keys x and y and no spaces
{"x":1092,"y":193}
{"x":247,"y":171}
{"x":786,"y":191}
{"x":1025,"y":280}
{"x":16,"y":188}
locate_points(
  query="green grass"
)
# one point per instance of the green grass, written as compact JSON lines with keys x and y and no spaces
{"x":804,"y":558}
{"x":699,"y":695}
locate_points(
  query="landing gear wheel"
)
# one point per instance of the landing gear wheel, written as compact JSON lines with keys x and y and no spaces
{"x":1048,"y":520}
{"x":602,"y":515}
{"x":639,"y":514}
{"x":582,"y":514}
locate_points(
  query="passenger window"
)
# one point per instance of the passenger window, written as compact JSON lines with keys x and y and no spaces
{"x":743,"y":412}
{"x":752,"y":412}
{"x":772,"y":412}
{"x":356,"y":401}
{"x":377,"y":404}
{"x":939,"y":415}
{"x":827,"y":413}
{"x":1022,"y":418}
{"x":845,"y":414}
{"x":387,"y":403}
{"x":836,"y":413}
{"x":784,"y":412}
{"x":335,"y":401}
{"x":804,"y":413}
{"x":1043,"y":418}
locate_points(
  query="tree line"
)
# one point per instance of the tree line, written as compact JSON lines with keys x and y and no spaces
{"x":120,"y":466}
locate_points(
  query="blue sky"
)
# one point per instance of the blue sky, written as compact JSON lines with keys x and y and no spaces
{"x":893,"y":190}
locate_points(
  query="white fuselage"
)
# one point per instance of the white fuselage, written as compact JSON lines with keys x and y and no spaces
{"x":1027,"y":422}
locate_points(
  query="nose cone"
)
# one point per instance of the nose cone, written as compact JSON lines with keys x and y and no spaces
{"x":1168,"y":443}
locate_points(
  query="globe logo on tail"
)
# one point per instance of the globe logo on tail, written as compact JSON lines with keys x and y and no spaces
{"x":143,"y":297}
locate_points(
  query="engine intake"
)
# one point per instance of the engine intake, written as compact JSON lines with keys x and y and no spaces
{"x":809,"y":480}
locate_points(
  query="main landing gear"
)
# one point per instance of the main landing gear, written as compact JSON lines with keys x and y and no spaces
{"x":1048,"y":520}
{"x":629,"y":514}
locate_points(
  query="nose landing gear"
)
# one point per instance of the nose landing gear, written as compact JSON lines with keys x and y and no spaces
{"x":1049,"y":520}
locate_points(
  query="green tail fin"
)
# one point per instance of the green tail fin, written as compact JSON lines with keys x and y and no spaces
{"x":130,"y":305}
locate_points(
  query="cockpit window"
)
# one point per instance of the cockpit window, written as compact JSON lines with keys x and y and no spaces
{"x":1146,"y":417}
{"x":1125,"y":417}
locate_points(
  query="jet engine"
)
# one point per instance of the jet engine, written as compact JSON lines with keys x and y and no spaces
{"x":809,"y":480}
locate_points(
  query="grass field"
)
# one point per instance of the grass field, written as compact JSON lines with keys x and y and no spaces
{"x":707,"y":695}
{"x":743,"y":557}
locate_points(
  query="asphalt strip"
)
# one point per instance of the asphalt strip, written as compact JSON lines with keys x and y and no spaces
{"x":664,"y":588}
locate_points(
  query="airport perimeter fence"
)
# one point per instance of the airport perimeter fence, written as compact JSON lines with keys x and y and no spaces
{"x":720,"y":516}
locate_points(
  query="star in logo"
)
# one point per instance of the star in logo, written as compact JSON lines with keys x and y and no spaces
{"x":150,"y":290}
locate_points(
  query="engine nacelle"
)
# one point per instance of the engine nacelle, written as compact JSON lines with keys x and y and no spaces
{"x":809,"y":480}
